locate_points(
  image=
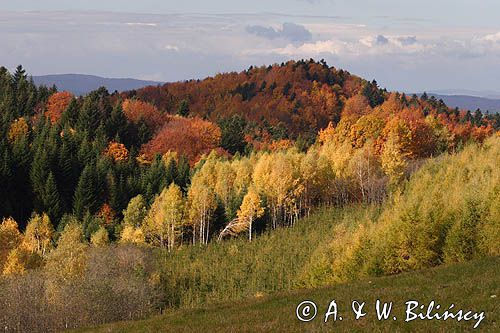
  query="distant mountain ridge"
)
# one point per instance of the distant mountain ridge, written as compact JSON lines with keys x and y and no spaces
{"x":492,"y":94}
{"x":469,"y":102}
{"x":80,"y":84}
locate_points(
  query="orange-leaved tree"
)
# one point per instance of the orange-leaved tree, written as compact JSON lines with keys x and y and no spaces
{"x":56,"y":104}
{"x":191,"y":137}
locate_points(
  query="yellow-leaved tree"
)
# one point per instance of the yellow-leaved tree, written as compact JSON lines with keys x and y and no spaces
{"x":18,"y":129}
{"x":100,"y":237}
{"x":277,"y":176}
{"x":393,"y":160}
{"x":133,"y":218}
{"x":14,"y":265}
{"x":202,"y":201}
{"x":10,"y":238}
{"x":38,"y":234}
{"x":164,"y":220}
{"x":131,"y":234}
{"x":67,"y":261}
{"x":251,"y":209}
{"x":135,"y":212}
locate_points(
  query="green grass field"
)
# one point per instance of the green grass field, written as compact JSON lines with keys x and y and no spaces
{"x":470,"y":286}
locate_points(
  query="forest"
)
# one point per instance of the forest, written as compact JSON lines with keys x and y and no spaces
{"x":125,"y":204}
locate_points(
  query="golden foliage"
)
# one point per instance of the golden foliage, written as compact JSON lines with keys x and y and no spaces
{"x":10,"y":238}
{"x":117,"y":151}
{"x":14,"y":264}
{"x":38,"y":234}
{"x":250,"y":209}
{"x":393,"y":159}
{"x":135,"y":212}
{"x":131,"y":234}
{"x":164,"y":219}
{"x":100,"y":237}
{"x":67,"y":261}
{"x":326,"y":134}
{"x":18,"y":129}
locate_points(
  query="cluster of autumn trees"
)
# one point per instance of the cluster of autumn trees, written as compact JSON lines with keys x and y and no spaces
{"x":292,"y":100}
{"x":200,"y":160}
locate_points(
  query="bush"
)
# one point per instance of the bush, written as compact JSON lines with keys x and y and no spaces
{"x":119,"y":283}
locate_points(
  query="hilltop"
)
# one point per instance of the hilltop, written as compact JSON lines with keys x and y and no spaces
{"x":291,"y":100}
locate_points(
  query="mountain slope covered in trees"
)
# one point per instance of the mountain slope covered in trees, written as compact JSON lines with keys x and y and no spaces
{"x":287,"y":100}
{"x":105,"y":195}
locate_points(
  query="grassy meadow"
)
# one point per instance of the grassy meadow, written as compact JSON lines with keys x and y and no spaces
{"x":471,"y":286}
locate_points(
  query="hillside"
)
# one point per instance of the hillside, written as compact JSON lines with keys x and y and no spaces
{"x":478,"y":280}
{"x":81,"y":84}
{"x":289,"y":100}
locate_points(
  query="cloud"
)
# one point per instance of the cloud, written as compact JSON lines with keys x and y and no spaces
{"x":494,"y":38}
{"x":141,"y":24}
{"x":169,"y":47}
{"x":312,"y":49}
{"x":289,"y":31}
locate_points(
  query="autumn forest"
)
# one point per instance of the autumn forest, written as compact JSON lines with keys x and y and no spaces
{"x":133,"y":202}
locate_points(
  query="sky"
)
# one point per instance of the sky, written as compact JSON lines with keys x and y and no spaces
{"x":408,"y":46}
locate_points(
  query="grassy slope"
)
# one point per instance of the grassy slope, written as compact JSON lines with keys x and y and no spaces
{"x":237,"y":269}
{"x":469,"y":286}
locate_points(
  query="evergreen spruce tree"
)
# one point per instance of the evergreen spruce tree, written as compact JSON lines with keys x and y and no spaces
{"x":116,"y":124}
{"x":85,"y":198}
{"x":183,"y":173}
{"x":232,"y":138}
{"x":70,"y":115}
{"x":51,"y":199}
{"x":89,"y":117}
{"x":183,"y":109}
{"x":154,"y":178}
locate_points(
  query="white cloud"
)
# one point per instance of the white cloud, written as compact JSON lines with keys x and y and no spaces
{"x":169,"y":47}
{"x":494,"y":38}
{"x":141,"y":24}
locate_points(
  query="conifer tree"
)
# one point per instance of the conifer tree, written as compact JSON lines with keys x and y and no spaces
{"x":154,"y":178}
{"x":70,"y":115}
{"x":89,"y":116}
{"x":85,"y":197}
{"x":183,"y":109}
{"x":51,"y":199}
